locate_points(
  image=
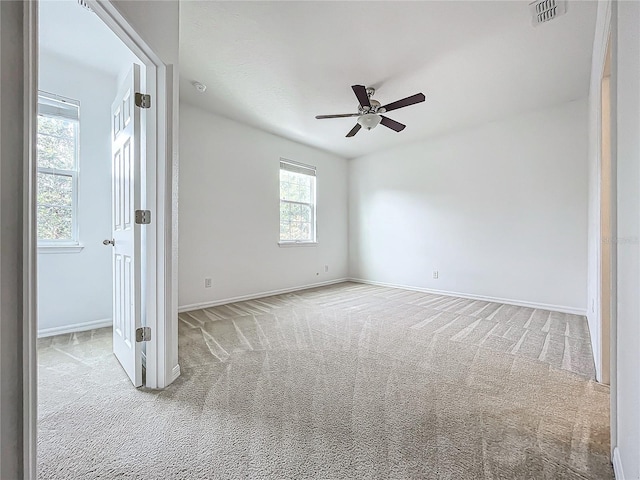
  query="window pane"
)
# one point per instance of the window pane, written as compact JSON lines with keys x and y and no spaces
{"x":56,"y":143}
{"x":57,"y":126}
{"x":55,"y":207}
{"x":55,"y":190}
{"x":295,"y":222}
{"x":304,"y":193}
{"x":284,"y":212}
{"x":54,"y":152}
{"x":300,"y":213}
{"x":299,"y":231}
{"x":55,"y":223}
{"x":284,"y":230}
{"x":295,"y":187}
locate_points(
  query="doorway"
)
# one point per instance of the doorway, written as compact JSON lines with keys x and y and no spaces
{"x":74,"y":207}
{"x":76,"y":176}
{"x":161,"y":190}
{"x":83,"y":116}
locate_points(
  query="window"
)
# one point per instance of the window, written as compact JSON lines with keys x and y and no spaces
{"x":57,"y":160}
{"x":297,"y":203}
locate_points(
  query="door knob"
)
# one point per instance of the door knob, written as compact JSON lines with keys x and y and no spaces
{"x":109,"y":242}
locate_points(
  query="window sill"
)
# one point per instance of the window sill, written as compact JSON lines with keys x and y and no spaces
{"x":297,"y":244}
{"x":75,"y":248}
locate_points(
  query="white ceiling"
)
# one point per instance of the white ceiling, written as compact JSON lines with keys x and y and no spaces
{"x":275,"y":65}
{"x":73,"y":32}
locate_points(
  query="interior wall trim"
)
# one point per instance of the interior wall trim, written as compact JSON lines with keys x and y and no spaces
{"x":507,"y":301}
{"x":75,"y":327}
{"x":253,"y":296}
{"x":617,"y":465}
{"x":175,"y":372}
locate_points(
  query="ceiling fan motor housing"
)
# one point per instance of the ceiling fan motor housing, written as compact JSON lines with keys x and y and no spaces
{"x":375,"y":107}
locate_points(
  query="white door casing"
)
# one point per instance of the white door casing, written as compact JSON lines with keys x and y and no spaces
{"x":126,"y":236}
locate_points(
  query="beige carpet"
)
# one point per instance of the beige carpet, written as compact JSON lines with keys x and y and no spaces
{"x":348,"y":381}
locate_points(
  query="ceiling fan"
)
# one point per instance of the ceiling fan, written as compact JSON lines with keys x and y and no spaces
{"x":370,"y":110}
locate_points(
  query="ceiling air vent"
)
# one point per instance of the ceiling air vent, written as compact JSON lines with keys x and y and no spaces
{"x":544,"y":10}
{"x":84,"y":4}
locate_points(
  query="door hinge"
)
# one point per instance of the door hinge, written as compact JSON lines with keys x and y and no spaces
{"x":143,"y":100}
{"x":143,"y":334}
{"x":143,"y":217}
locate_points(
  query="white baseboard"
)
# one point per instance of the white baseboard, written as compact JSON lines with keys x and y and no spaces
{"x":593,"y":322}
{"x":76,"y":327}
{"x":508,"y":301}
{"x":253,"y":296}
{"x":175,"y":373}
{"x":617,"y":465}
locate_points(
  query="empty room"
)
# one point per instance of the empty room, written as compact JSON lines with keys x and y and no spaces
{"x":336,"y":240}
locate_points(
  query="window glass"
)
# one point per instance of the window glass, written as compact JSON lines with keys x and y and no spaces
{"x":297,"y":203}
{"x":57,"y":178}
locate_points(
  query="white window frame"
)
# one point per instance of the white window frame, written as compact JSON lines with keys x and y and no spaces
{"x":67,"y":108}
{"x":309,"y":170}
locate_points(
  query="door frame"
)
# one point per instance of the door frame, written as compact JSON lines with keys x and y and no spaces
{"x":605,"y":44}
{"x":160,"y":196}
{"x":607,"y":212}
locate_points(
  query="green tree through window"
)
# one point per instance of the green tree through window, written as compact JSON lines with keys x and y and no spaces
{"x":57,"y":160}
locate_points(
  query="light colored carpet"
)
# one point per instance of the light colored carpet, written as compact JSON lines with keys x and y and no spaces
{"x":348,"y":381}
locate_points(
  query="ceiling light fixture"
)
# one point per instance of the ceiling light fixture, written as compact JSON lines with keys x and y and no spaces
{"x":200,"y":87}
{"x":369,"y":120}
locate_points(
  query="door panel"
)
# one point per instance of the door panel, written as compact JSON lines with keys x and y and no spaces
{"x":126,"y":234}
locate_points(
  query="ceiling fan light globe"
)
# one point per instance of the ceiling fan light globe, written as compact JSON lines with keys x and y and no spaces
{"x":369,"y":120}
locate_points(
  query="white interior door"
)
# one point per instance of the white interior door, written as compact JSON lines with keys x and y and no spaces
{"x":126,"y":238}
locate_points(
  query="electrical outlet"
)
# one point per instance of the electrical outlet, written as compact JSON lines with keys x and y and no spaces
{"x":207,"y":283}
{"x":326,"y":268}
{"x":435,"y":274}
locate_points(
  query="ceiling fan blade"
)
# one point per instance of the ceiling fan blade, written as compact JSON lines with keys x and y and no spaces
{"x":354,"y":130}
{"x":392,"y":124}
{"x":341,"y":115}
{"x":405,"y":102}
{"x":361,"y":93}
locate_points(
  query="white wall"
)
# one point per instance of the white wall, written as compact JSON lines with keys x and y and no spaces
{"x":161,"y":31}
{"x":229,"y":212}
{"x":499,"y":210}
{"x":74,"y":289}
{"x":626,"y":80}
